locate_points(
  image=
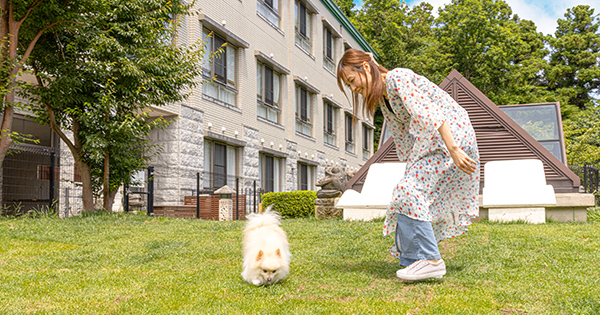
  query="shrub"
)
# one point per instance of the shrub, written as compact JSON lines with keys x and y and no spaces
{"x":291,"y":204}
{"x":593,"y":214}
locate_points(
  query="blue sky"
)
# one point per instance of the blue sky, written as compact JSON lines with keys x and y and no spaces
{"x":544,"y":13}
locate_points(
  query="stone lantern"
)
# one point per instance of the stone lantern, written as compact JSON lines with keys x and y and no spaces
{"x":225,"y":203}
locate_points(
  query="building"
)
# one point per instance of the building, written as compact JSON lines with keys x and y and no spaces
{"x":273,"y":114}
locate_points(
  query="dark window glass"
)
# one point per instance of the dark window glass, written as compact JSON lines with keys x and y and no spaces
{"x":219,"y":166}
{"x":303,"y":169}
{"x":220,"y":61}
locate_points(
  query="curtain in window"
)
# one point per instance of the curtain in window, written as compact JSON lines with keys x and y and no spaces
{"x":230,"y":66}
{"x":259,"y":85}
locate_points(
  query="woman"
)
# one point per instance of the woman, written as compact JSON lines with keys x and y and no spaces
{"x":438,"y":195}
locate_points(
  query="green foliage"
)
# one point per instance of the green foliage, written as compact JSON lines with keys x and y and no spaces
{"x":101,"y":78}
{"x":593,"y":214}
{"x":575,"y":58}
{"x":582,"y":137}
{"x":291,"y":204}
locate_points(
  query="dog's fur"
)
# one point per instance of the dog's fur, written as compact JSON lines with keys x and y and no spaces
{"x":265,"y":249}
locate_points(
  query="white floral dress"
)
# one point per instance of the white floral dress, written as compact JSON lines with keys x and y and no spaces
{"x":433,"y":188}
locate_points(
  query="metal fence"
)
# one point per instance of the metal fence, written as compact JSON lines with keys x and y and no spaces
{"x":142,"y":198}
{"x":30,"y":180}
{"x":590,"y":179}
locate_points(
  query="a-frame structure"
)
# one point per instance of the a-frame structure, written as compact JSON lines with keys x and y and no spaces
{"x":498,"y":138}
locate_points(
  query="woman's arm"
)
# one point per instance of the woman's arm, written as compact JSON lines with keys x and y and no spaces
{"x":460,"y":158}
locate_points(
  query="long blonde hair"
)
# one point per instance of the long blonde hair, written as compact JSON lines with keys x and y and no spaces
{"x":354,"y":59}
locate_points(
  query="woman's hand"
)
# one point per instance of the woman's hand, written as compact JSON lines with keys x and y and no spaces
{"x":460,"y":158}
{"x":463,"y":161}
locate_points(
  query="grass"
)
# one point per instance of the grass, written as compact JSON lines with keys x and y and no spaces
{"x":132,"y":264}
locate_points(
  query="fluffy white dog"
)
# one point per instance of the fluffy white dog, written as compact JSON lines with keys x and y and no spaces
{"x":265,"y":249}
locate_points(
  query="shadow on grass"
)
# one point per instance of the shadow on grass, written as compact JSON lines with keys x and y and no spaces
{"x":385,"y":269}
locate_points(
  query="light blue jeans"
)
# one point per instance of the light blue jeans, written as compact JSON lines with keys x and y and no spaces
{"x":416,"y":240}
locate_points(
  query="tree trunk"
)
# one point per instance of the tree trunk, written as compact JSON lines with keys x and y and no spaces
{"x":87,"y":195}
{"x":111,"y":198}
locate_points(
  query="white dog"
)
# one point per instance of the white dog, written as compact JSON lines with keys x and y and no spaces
{"x":266,"y":249}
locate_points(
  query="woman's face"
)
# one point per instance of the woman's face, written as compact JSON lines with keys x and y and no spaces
{"x":359,"y":82}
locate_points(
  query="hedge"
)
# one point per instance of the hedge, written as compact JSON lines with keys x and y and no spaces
{"x":291,"y":204}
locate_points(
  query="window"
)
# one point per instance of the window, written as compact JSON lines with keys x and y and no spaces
{"x":269,"y":9}
{"x":305,"y":177}
{"x":542,"y":122}
{"x":269,"y":172}
{"x":328,"y":50}
{"x":366,"y":141}
{"x":349,"y":134}
{"x":267,"y":92}
{"x":303,"y":27}
{"x":329,"y":119}
{"x":220,"y":66}
{"x":220,"y":165}
{"x":303,"y":108}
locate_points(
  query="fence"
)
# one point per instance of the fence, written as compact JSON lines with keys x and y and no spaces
{"x":590,"y":179}
{"x":202,"y":202}
{"x":30,"y":180}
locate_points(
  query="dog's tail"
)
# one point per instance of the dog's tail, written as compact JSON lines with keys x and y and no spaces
{"x":267,"y":217}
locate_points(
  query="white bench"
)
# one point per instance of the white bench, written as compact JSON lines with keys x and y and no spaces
{"x":516,"y":190}
{"x":372,"y":201}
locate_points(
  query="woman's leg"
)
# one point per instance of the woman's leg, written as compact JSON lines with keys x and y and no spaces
{"x":416,"y":240}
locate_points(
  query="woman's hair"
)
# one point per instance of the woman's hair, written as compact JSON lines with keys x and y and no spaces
{"x":354,"y":59}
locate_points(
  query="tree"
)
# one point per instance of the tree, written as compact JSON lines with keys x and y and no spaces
{"x":582,"y":137}
{"x":22,"y":23}
{"x":575,"y":59}
{"x":481,"y":37}
{"x":96,"y":80}
{"x":347,"y":7}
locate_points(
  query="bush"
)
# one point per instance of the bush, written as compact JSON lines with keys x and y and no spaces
{"x":291,"y":204}
{"x":593,"y":214}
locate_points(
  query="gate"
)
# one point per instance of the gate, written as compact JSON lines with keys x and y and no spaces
{"x":30,"y":175}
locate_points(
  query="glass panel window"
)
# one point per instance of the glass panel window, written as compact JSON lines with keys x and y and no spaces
{"x":306,"y":177}
{"x":303,"y":27}
{"x":220,"y":165}
{"x":366,"y":141}
{"x":541,"y":122}
{"x":221,"y":66}
{"x":269,"y":9}
{"x":303,"y":111}
{"x":269,"y":173}
{"x":328,"y":50}
{"x":329,"y":113}
{"x":268,"y":85}
{"x":349,"y":134}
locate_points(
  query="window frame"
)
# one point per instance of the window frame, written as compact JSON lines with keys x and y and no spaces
{"x":303,"y":40}
{"x":270,"y":9}
{"x":349,"y":133}
{"x":274,"y":105}
{"x":225,"y":80}
{"x":303,"y":123}
{"x":329,"y":116}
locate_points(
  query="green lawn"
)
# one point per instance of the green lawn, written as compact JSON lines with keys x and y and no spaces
{"x":133,"y":264}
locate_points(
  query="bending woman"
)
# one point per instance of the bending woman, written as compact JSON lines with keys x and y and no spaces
{"x":438,"y":195}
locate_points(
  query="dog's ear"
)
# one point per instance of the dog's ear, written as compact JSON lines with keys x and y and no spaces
{"x":278,"y":252}
{"x":260,"y":255}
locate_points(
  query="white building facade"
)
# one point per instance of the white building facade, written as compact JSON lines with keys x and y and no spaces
{"x":273,"y":115}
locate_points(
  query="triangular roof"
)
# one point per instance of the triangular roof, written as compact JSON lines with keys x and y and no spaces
{"x":498,"y":138}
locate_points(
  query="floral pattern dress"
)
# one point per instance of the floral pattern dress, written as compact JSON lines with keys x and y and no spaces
{"x":433,"y":188}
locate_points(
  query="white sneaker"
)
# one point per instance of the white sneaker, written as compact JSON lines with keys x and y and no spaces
{"x":422,"y":269}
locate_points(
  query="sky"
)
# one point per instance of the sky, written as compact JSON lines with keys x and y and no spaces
{"x":544,"y":13}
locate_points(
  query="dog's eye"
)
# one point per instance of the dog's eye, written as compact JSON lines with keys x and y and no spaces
{"x":265,"y":270}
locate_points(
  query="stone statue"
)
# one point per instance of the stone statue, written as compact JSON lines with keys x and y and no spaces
{"x":334,"y":182}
